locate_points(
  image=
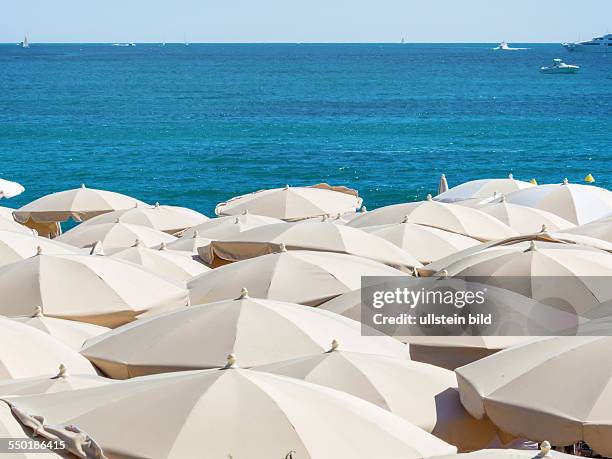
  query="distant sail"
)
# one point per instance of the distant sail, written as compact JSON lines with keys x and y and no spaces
{"x":25,"y":43}
{"x":403,"y":41}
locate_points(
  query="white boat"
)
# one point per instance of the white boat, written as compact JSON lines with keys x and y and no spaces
{"x":560,"y":67}
{"x":24,"y":43}
{"x":503,"y":46}
{"x":124,"y":45}
{"x":601,"y":44}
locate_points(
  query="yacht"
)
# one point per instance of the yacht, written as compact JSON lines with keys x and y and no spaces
{"x":124,"y":45}
{"x":601,"y":44}
{"x":24,"y":43}
{"x":560,"y":67}
{"x":503,"y":46}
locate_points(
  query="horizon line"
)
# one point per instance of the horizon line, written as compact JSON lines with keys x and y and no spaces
{"x":280,"y":42}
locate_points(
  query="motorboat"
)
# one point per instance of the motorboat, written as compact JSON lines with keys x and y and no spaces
{"x":602,"y":44}
{"x":503,"y":46}
{"x":560,"y":67}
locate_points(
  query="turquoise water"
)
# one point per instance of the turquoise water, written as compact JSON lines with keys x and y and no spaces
{"x":196,"y":125}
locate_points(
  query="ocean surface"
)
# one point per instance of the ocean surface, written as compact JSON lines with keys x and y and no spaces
{"x":195,"y":125}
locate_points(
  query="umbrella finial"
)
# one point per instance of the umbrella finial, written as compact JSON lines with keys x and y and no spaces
{"x":532,"y":247}
{"x":545,"y":447}
{"x":236,"y":220}
{"x":334,"y":345}
{"x":324,"y":217}
{"x":163,"y":246}
{"x":245,"y":211}
{"x":429,"y":197}
{"x":405,"y":219}
{"x":282,"y":247}
{"x":97,"y":248}
{"x":63,"y":371}
{"x":443,"y":274}
{"x":156,"y":205}
{"x":244,"y":294}
{"x":196,"y":234}
{"x":286,"y":187}
{"x":137,"y":243}
{"x":363,"y":209}
{"x":511,"y":176}
{"x":533,"y":181}
{"x":565,"y":181}
{"x":503,"y":198}
{"x":231,"y":361}
{"x":39,"y":250}
{"x":38,"y":312}
{"x":82,"y":186}
{"x":544,"y":228}
{"x":589,"y":178}
{"x":117,"y":220}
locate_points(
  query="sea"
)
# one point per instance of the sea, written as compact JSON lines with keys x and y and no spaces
{"x":195,"y":125}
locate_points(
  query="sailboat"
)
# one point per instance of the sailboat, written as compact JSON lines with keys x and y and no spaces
{"x":403,"y":42}
{"x":25,"y":43}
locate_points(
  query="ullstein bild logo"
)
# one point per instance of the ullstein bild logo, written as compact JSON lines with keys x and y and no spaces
{"x":492,"y":306}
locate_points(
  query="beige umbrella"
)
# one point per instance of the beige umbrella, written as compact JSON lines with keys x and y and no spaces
{"x":169,"y":219}
{"x":227,"y":227}
{"x":482,"y":189}
{"x":424,"y":242}
{"x":291,"y":203}
{"x":73,"y":334}
{"x":457,"y":219}
{"x":556,"y":388}
{"x":26,"y":352}
{"x":599,"y":229}
{"x":113,"y":236}
{"x":523,"y":219}
{"x":17,"y":246}
{"x":298,"y":276}
{"x":79,"y":204}
{"x":234,"y":413}
{"x":310,"y":235}
{"x":262,"y":331}
{"x":422,"y":394}
{"x":543,"y":453}
{"x":94,"y":289}
{"x":518,"y":268}
{"x":187,"y":244}
{"x":63,"y":380}
{"x":165,"y":263}
{"x":576,"y":203}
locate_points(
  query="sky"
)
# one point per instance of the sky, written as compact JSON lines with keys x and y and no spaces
{"x":222,"y":21}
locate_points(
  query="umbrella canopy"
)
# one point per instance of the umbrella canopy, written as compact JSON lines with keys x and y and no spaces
{"x":543,"y":453}
{"x":291,"y":203}
{"x":523,"y":219}
{"x":189,"y":244}
{"x":7,"y":224}
{"x":309,"y":235}
{"x":262,"y":331}
{"x":18,"y":246}
{"x":79,"y":204}
{"x":94,"y":289}
{"x":457,"y":219}
{"x":576,"y":203}
{"x":513,"y":388}
{"x":482,"y":189}
{"x":599,"y":229}
{"x":10,"y":189}
{"x":73,"y":334}
{"x":232,"y":412}
{"x":26,"y":352}
{"x":113,"y":236}
{"x":422,"y":394}
{"x":62,"y":381}
{"x":169,"y":219}
{"x":426,"y":243}
{"x":517,"y":268}
{"x":298,"y":276}
{"x":7,"y":212}
{"x":163,"y":262}
{"x":228,"y":227}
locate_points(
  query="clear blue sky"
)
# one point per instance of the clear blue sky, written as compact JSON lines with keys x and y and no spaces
{"x":303,"y":21}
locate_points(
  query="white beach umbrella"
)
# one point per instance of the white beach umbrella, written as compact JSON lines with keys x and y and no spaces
{"x":113,"y":236}
{"x":262,"y":331}
{"x":7,"y":212}
{"x":576,"y":203}
{"x":457,"y":219}
{"x":231,"y":412}
{"x":599,"y":229}
{"x":426,"y":243}
{"x":94,"y":289}
{"x":296,"y":276}
{"x":227,"y":227}
{"x":18,"y":246}
{"x":165,"y":263}
{"x":26,"y":352}
{"x":523,"y":219}
{"x":62,"y":381}
{"x":291,"y":203}
{"x":545,"y":452}
{"x":169,"y":219}
{"x":7,"y":224}
{"x":10,"y":189}
{"x":79,"y":204}
{"x":482,"y":189}
{"x":310,"y":235}
{"x":422,"y":394}
{"x":189,"y":245}
{"x":72,"y":333}
{"x":513,"y":388}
